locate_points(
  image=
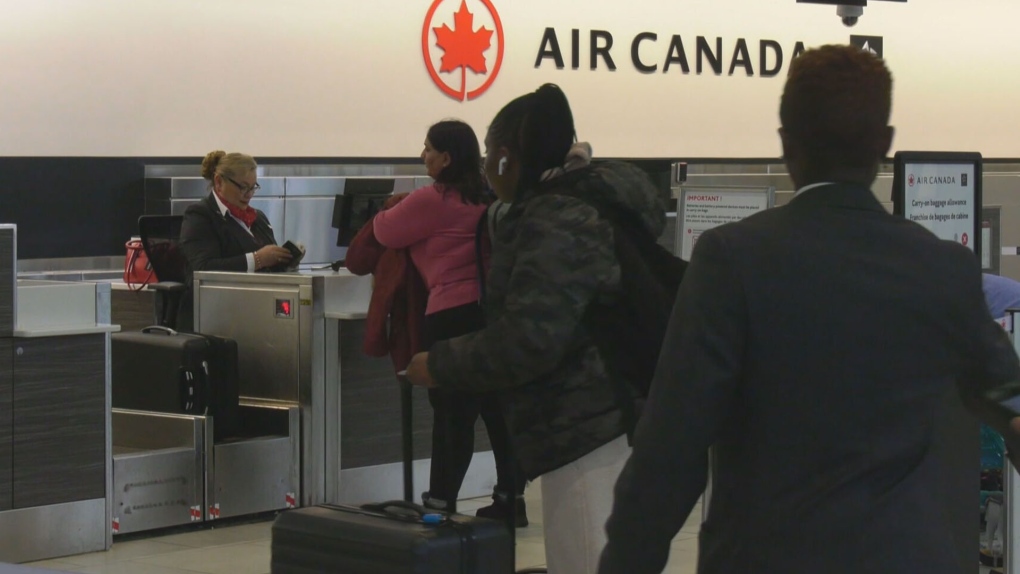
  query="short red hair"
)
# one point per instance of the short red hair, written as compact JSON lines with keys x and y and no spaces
{"x":836,"y":103}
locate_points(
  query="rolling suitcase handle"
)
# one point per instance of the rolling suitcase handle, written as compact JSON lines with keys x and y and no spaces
{"x":160,"y":329}
{"x":414,"y":512}
{"x":407,"y":435}
{"x":386,"y":507}
{"x":408,"y":455}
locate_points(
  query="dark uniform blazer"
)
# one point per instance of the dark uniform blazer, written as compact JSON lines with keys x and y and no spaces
{"x":212,"y":241}
{"x":815,"y":347}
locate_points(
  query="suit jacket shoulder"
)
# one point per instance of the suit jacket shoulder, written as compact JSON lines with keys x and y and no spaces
{"x":211,"y":241}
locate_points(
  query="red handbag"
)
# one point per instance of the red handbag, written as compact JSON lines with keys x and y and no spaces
{"x":138,"y":271}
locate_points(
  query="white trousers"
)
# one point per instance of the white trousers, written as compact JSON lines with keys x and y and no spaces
{"x":576,"y":502}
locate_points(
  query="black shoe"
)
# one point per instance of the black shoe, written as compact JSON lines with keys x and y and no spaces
{"x":500,"y":510}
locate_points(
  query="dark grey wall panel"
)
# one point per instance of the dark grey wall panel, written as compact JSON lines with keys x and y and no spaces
{"x":7,"y":282}
{"x":370,"y":408}
{"x":72,"y":206}
{"x":132,"y":310}
{"x":6,"y":425}
{"x":89,"y":206}
{"x":59,"y":420}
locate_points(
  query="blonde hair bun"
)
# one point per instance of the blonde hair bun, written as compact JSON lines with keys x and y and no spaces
{"x":211,"y":162}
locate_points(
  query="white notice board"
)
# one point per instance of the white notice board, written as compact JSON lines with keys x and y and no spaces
{"x":700,"y":208}
{"x":941,"y":198}
{"x":941,"y":191}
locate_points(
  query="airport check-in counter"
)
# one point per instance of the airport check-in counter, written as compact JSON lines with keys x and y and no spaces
{"x":285,"y":357}
{"x":321,"y":420}
{"x":300,"y":339}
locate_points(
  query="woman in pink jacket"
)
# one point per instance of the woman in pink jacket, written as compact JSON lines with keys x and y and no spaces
{"x":437,"y":225}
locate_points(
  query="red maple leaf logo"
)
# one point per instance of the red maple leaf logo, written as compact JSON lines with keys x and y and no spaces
{"x":463,"y":46}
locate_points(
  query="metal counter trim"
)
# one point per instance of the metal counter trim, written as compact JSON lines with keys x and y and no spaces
{"x":46,"y":532}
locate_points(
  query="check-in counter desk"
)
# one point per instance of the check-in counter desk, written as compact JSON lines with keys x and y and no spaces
{"x":300,"y":339}
{"x":321,"y":420}
{"x":55,"y":490}
{"x":171,"y":470}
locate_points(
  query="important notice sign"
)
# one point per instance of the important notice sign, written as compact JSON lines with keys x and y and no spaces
{"x":941,"y":197}
{"x":704,"y":208}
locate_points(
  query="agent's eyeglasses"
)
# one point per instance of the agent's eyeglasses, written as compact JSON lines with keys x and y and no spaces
{"x":244,"y":188}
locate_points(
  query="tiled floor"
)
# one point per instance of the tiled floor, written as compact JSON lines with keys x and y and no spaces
{"x":244,"y":549}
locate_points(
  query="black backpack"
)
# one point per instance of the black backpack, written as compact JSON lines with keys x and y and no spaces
{"x":629,"y":331}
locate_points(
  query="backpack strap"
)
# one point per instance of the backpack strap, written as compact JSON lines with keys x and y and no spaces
{"x":625,"y":399}
{"x":481,"y":232}
{"x":485,"y":230}
{"x":622,"y":222}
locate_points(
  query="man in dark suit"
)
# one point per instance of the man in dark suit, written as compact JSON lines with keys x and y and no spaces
{"x":813,"y":346}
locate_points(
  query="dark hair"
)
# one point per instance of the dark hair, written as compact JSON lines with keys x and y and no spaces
{"x":837,"y":103}
{"x":539,"y":128}
{"x":465,"y":170}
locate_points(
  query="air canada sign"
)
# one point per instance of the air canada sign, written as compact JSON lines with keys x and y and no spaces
{"x":462,"y":44}
{"x":651,"y":53}
{"x":465,"y":46}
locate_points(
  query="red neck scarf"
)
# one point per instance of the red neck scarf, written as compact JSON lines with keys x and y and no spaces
{"x":246,"y":215}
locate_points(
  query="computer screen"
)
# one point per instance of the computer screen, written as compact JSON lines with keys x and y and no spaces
{"x":361,"y":200}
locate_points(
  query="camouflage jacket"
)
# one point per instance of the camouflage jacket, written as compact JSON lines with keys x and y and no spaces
{"x":552,"y":256}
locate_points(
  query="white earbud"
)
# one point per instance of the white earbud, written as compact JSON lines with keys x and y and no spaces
{"x":502,"y":166}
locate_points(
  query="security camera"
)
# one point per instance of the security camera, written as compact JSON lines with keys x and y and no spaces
{"x":849,"y":14}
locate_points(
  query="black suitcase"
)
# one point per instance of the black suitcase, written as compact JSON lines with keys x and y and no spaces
{"x":389,"y":538}
{"x":161,"y":370}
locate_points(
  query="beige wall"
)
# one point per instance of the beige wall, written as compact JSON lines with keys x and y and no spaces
{"x":347,"y":78}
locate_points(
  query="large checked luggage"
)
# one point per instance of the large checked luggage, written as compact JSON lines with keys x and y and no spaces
{"x":389,"y":538}
{"x":397,"y":537}
{"x":161,"y":370}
